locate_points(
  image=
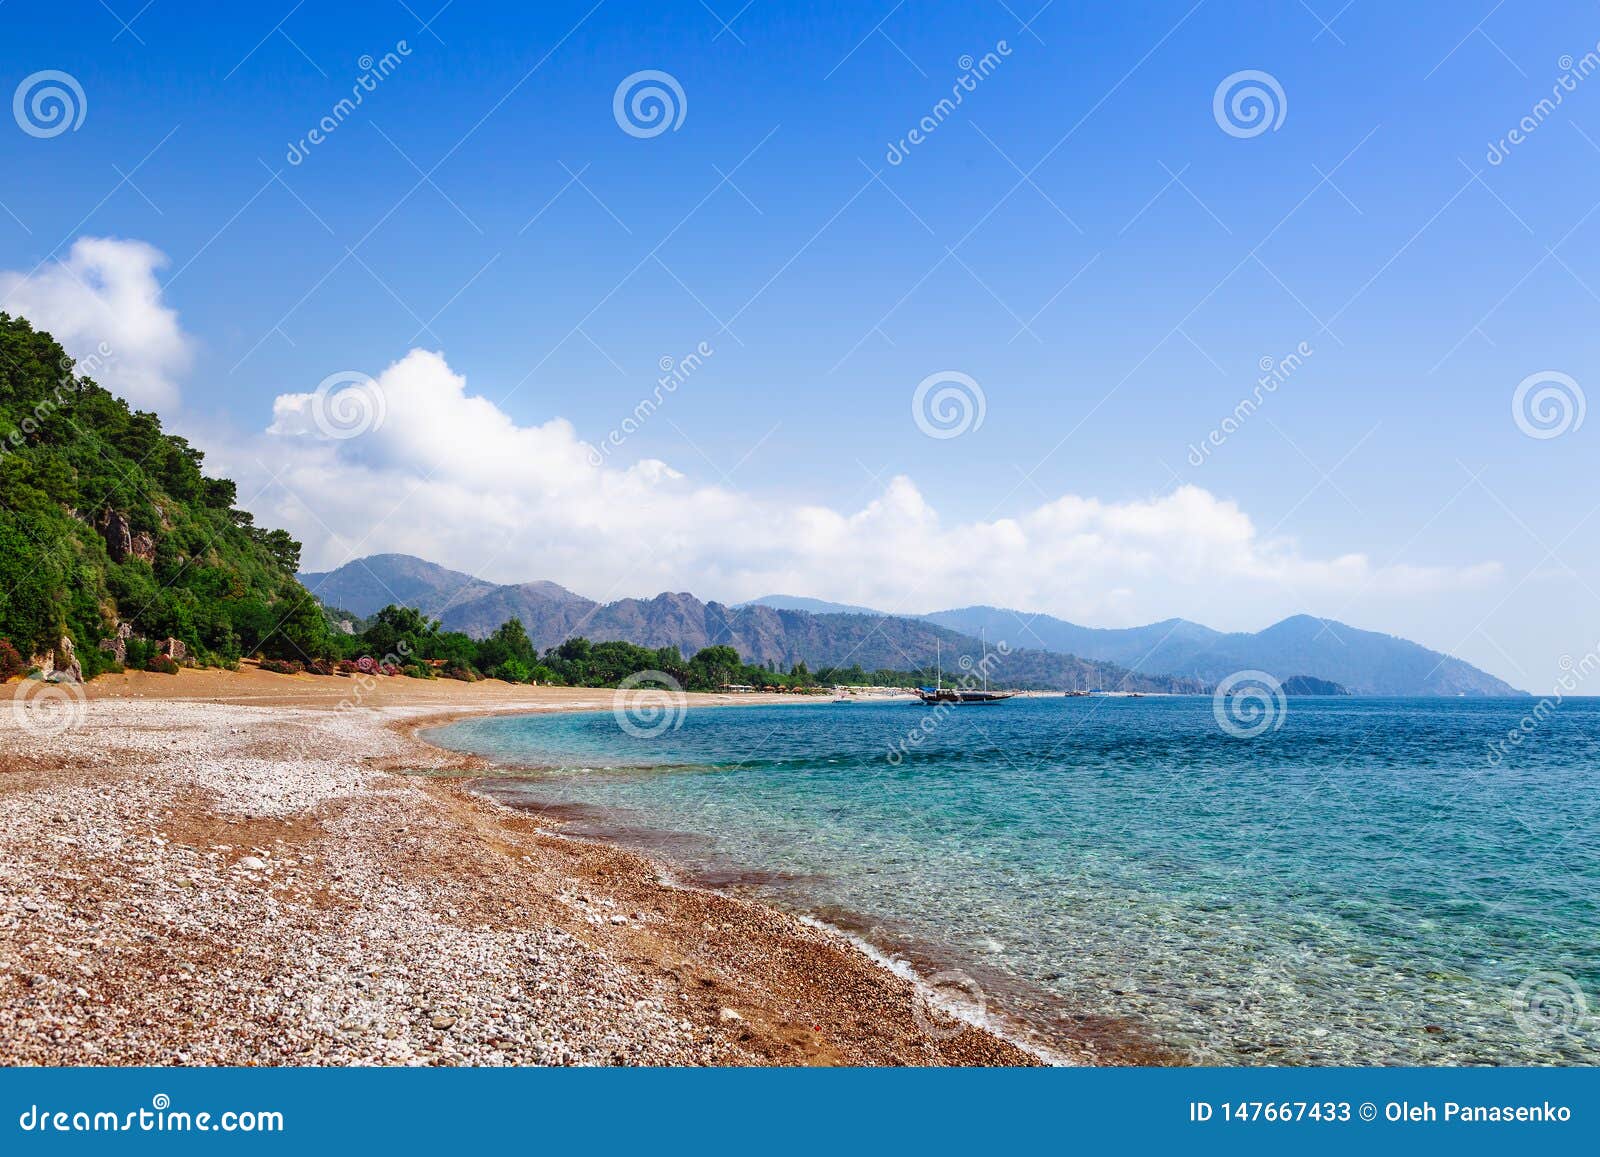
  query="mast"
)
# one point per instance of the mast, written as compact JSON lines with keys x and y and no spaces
{"x":938,"y":668}
{"x":983,"y":639}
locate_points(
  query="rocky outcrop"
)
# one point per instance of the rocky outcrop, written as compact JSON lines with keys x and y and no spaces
{"x":121,"y":542}
{"x":1311,"y":685}
{"x":60,"y":665}
{"x":117,"y":645}
{"x":118,"y":535}
{"x":68,"y":669}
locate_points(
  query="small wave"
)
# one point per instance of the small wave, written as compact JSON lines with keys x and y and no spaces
{"x":979,"y":1018}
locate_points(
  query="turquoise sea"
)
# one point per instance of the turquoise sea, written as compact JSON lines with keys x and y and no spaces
{"x":1367,"y":884}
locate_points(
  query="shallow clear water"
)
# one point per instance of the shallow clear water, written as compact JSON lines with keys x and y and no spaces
{"x":1360,"y":886}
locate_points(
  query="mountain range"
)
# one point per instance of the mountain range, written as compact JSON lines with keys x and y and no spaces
{"x":1174,"y":655}
{"x":762,"y":635}
{"x":1365,"y":662}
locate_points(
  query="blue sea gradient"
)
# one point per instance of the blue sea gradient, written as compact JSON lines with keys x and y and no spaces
{"x":1369,"y":882}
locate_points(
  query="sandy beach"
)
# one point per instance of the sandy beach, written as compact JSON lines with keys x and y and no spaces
{"x":222,"y":868}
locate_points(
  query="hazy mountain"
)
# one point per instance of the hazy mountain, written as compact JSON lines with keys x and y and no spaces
{"x":1364,"y":662}
{"x":815,"y":606}
{"x":1367,"y":662}
{"x":1174,"y":644}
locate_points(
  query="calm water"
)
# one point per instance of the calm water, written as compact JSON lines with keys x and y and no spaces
{"x":1359,"y":886}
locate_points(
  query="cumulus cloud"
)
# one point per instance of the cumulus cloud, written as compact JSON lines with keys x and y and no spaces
{"x":106,"y":292}
{"x":416,"y":463}
{"x":449,"y":476}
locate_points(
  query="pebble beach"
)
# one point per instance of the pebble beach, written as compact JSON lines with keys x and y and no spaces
{"x":236,"y":868}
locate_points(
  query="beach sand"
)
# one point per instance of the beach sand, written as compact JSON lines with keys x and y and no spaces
{"x":220,"y":868}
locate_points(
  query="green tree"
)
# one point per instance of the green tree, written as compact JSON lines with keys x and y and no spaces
{"x":404,"y":632}
{"x":513,"y":671}
{"x":284,"y":550}
{"x":508,"y":642}
{"x":713,"y":667}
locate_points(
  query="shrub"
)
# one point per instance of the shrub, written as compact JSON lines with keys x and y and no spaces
{"x":319,"y":667}
{"x":465,"y":674}
{"x":513,"y":671}
{"x":161,"y":665}
{"x":11,"y":663}
{"x":140,"y":651}
{"x":93,"y":661}
{"x":367,"y":665}
{"x":283,"y":666}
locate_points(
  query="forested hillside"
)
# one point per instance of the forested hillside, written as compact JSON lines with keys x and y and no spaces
{"x":110,"y":532}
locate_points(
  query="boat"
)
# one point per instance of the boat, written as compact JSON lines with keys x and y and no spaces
{"x":933,"y":695}
{"x":940,"y":694}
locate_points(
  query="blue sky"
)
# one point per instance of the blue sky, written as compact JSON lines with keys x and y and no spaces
{"x":1080,"y":237}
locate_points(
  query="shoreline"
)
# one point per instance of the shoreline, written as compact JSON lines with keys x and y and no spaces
{"x":224,"y":868}
{"x":1090,"y":1040}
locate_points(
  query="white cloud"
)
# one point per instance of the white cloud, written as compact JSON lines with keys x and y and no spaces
{"x":106,"y":292}
{"x":449,"y":476}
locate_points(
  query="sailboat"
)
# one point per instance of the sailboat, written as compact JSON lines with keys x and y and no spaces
{"x":939,"y":693}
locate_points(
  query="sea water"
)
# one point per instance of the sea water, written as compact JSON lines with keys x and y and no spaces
{"x":1370,"y":881}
